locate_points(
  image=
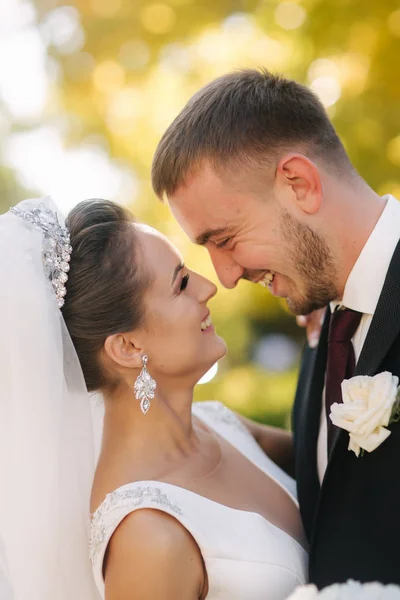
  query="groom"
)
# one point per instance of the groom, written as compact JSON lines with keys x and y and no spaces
{"x":254,"y":171}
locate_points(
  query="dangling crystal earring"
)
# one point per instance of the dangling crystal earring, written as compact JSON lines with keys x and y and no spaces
{"x":144,"y":387}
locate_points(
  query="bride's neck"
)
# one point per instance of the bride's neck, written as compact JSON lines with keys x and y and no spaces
{"x":167,"y":426}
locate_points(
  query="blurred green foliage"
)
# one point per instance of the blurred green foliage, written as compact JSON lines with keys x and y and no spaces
{"x":139,"y":61}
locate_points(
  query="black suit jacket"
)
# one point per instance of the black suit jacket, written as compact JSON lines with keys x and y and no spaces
{"x":353,"y":520}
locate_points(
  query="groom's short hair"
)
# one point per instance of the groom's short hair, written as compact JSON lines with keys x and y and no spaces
{"x":246,"y":119}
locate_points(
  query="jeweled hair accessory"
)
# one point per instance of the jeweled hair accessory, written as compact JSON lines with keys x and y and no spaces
{"x":56,"y":252}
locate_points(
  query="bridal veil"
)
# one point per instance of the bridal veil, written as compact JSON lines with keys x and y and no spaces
{"x":47,"y":453}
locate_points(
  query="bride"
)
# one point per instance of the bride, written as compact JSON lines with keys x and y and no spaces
{"x":187,"y":501}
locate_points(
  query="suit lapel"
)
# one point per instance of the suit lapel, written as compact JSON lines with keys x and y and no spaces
{"x":385,"y":326}
{"x":310,"y":387}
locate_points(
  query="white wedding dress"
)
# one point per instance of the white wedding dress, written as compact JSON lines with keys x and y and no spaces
{"x":246,"y":556}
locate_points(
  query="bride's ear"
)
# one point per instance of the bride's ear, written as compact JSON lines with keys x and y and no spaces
{"x":121,"y":349}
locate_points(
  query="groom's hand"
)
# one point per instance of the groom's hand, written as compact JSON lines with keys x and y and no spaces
{"x":277,"y":443}
{"x":313,"y":325}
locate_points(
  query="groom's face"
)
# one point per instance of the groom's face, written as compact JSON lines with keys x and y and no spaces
{"x":254,"y":235}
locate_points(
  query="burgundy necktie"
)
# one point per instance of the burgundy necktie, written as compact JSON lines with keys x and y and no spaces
{"x":341,"y":359}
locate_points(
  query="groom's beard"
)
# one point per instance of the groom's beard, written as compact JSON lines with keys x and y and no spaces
{"x":312,"y":259}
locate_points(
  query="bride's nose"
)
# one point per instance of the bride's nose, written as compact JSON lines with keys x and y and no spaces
{"x":207,"y":289}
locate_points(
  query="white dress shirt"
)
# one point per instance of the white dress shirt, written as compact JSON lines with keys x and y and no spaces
{"x":361,"y":293}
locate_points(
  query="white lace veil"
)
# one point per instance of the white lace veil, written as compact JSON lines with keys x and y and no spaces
{"x":46,"y":433}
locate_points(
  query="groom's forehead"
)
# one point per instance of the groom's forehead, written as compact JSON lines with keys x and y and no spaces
{"x":207,"y":206}
{"x":204,"y":188}
{"x":202,"y":218}
{"x":207,"y":203}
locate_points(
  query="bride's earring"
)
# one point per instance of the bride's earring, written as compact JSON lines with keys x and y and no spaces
{"x":144,"y":387}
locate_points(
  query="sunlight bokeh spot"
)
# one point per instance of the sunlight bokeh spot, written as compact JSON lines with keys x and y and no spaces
{"x":327,"y":89}
{"x":272,"y":53}
{"x":241,"y":22}
{"x":323,"y":67}
{"x":290,"y":15}
{"x":108,"y":76}
{"x":26,"y":71}
{"x":16,"y":15}
{"x":276,"y":352}
{"x":354,"y":71}
{"x":212,"y":47}
{"x":176,"y":57}
{"x":125,"y":108}
{"x":158,"y":18}
{"x":61,"y":28}
{"x":68,"y":175}
{"x":134,"y":54}
{"x":105,"y":8}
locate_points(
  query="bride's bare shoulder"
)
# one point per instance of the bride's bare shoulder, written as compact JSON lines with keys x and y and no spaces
{"x":152,"y":555}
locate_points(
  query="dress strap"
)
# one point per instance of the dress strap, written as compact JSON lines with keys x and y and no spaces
{"x":115,"y":507}
{"x":220,"y":417}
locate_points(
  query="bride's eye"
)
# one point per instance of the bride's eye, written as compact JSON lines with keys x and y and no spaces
{"x":184,"y":282}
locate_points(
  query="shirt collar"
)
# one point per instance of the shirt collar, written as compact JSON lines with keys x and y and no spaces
{"x":366,"y":279}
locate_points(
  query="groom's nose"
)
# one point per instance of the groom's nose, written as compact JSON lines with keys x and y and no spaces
{"x":228,"y":270}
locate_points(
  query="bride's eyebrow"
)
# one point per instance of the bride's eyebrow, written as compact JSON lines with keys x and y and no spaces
{"x":177,"y":269}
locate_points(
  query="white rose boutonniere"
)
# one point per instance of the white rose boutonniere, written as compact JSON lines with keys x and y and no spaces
{"x":351,"y":590}
{"x":370,"y":404}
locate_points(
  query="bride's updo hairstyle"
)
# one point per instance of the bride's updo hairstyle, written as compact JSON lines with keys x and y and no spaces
{"x":105,"y":284}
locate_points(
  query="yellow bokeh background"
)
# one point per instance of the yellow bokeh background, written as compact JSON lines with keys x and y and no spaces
{"x":119,"y":71}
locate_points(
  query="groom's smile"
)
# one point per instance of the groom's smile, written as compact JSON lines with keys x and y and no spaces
{"x":267,"y":279}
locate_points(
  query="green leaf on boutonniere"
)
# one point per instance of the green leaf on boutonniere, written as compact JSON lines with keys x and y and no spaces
{"x":395,"y":418}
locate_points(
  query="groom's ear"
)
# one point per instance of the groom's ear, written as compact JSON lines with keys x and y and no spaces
{"x":299,"y":177}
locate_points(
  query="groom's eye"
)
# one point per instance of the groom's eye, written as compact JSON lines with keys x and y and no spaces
{"x":223,"y":243}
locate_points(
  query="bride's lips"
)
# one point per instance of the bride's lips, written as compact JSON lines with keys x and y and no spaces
{"x":206,"y":325}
